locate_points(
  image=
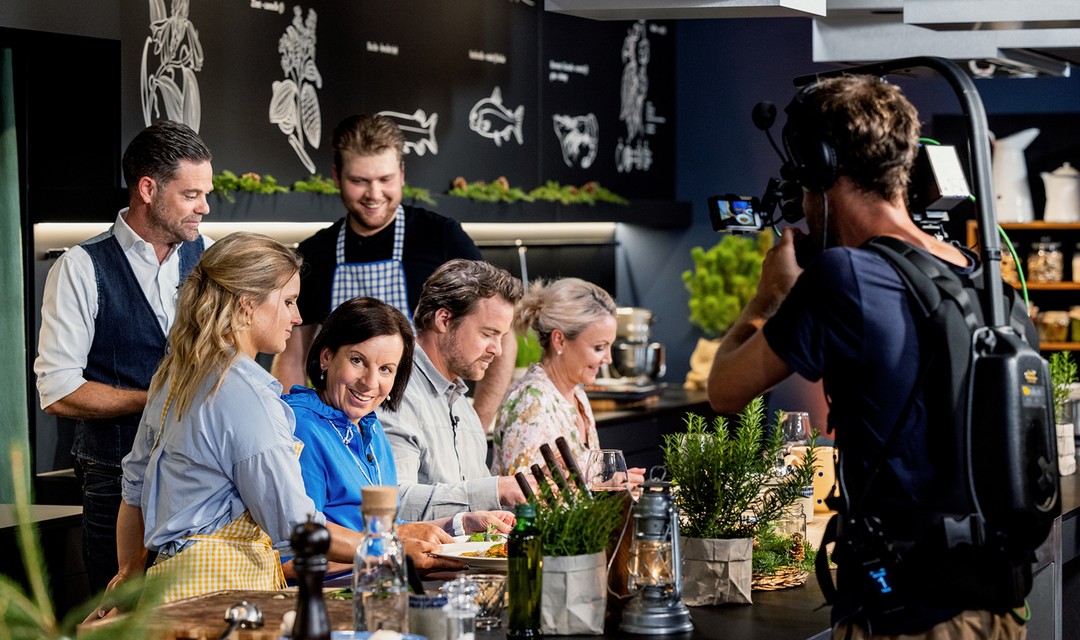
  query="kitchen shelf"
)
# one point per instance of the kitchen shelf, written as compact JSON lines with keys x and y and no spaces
{"x":1059,"y":346}
{"x":312,"y":207}
{"x":1049,"y":286}
{"x":81,"y":205}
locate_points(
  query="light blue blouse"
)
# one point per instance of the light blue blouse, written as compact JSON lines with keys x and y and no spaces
{"x":232,"y":451}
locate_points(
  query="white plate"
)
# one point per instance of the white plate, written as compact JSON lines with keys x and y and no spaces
{"x":454,"y":551}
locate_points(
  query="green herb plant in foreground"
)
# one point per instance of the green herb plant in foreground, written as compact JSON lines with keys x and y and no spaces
{"x":32,"y":615}
{"x":1062,"y":376}
{"x":725,"y":477}
{"x":582,"y":526}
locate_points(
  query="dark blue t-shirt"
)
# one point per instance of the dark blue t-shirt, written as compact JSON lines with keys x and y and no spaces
{"x":848,"y":322}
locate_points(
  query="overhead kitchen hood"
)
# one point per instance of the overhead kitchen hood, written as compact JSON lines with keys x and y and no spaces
{"x":994,"y":37}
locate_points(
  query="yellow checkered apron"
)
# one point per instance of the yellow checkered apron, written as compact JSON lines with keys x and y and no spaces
{"x":239,"y":555}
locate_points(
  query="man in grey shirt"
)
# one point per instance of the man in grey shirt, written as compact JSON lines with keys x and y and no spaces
{"x":440,"y":449}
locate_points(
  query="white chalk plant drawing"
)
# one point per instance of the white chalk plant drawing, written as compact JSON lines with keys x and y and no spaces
{"x":492,"y":120}
{"x":173,"y":85}
{"x":294,"y":107}
{"x":579,"y":137}
{"x":419,"y":130}
{"x":632,"y":153}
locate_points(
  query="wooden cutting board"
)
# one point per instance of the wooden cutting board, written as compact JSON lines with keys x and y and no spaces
{"x":203,"y":617}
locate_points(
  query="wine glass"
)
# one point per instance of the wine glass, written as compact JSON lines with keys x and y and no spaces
{"x":796,"y":430}
{"x":606,"y":470}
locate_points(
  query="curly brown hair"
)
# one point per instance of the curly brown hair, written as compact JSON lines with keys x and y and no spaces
{"x":873,"y":128}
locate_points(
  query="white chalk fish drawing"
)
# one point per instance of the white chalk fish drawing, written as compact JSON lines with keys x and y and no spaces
{"x":175,"y":42}
{"x":578,"y":136}
{"x":492,"y":120}
{"x":419,"y":130}
{"x":294,"y":104}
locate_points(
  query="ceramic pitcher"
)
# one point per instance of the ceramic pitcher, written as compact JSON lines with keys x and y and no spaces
{"x":1062,"y":194}
{"x":1010,"y":175}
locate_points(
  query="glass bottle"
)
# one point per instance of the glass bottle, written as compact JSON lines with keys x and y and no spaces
{"x":380,"y":587}
{"x":460,"y":609}
{"x":525,"y":561}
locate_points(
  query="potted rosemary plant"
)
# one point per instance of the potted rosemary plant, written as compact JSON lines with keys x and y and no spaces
{"x":1062,"y":376}
{"x":728,"y":491}
{"x":576,"y":534}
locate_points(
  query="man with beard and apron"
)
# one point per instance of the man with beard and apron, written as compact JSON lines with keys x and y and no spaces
{"x":365,"y":253}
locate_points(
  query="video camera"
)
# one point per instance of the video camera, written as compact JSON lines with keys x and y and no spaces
{"x":936,"y":187}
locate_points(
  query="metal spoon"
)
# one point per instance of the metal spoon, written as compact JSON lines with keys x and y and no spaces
{"x":243,"y":615}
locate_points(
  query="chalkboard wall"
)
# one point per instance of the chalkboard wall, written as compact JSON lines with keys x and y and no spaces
{"x":482,"y":88}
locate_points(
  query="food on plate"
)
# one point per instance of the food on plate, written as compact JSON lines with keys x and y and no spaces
{"x":491,"y":535}
{"x":494,"y":551}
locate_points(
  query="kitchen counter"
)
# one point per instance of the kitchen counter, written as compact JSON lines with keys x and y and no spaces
{"x":639,"y":431}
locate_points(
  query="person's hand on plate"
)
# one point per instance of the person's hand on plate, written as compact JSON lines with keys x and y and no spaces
{"x":479,"y":521}
{"x":422,"y":554}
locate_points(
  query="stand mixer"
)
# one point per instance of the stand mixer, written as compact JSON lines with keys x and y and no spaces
{"x":634,"y":357}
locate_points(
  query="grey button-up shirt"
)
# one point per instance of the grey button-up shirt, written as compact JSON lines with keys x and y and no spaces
{"x":440,"y":448}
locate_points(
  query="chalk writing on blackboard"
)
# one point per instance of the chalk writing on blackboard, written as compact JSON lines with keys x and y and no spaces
{"x":487,"y":56}
{"x":381,"y":47}
{"x":175,"y":42}
{"x":491,"y":119}
{"x":419,"y":130}
{"x":579,"y":137}
{"x":632,"y":153}
{"x":294,"y":105}
{"x":559,"y":71}
{"x":278,"y":7}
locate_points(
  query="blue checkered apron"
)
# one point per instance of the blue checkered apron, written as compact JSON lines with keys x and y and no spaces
{"x":384,"y":279}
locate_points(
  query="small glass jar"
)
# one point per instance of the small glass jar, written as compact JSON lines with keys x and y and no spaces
{"x":1045,"y":263}
{"x":1074,"y":324}
{"x":1076,"y":264}
{"x":1053,"y":326}
{"x":1008,"y":268}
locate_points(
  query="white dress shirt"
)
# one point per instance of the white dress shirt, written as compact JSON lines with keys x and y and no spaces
{"x":69,"y":307}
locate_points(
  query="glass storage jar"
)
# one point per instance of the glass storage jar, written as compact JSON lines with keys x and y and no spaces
{"x":1076,"y":264}
{"x":1008,"y":267}
{"x":1053,"y":326}
{"x":1045,"y":263}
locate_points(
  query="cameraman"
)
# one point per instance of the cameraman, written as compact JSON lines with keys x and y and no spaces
{"x":846,"y":320}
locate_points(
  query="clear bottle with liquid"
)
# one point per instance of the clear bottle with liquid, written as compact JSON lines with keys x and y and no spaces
{"x":525,"y":562}
{"x":380,"y":587}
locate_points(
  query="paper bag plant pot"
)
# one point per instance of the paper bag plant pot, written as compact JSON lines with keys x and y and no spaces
{"x":716,"y":571}
{"x":574,"y":594}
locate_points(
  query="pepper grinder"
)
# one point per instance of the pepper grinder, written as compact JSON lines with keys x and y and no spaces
{"x":310,"y":542}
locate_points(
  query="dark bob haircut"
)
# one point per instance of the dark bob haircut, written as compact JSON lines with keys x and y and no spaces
{"x":359,"y":320}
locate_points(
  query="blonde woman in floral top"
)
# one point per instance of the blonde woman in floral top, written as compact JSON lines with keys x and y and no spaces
{"x":575,"y":323}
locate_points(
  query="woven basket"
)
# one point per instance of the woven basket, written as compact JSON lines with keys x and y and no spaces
{"x":784,"y":578}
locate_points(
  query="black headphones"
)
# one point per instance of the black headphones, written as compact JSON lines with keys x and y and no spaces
{"x":811,"y":159}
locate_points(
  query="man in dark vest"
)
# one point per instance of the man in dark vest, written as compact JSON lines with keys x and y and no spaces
{"x":108,"y":306}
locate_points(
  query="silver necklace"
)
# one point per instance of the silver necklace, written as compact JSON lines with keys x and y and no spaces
{"x":346,"y":438}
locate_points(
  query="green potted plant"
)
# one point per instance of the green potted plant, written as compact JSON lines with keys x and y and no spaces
{"x":28,"y":611}
{"x":576,"y":534}
{"x":1062,"y":376}
{"x":728,"y":490}
{"x":723,"y":280}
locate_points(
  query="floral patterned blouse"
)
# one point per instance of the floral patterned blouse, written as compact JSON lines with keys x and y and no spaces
{"x":535,"y":413}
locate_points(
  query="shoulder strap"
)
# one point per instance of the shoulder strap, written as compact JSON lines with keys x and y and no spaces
{"x":927,"y":278}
